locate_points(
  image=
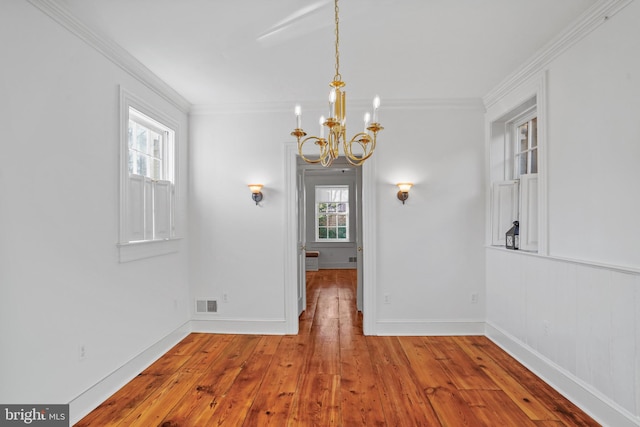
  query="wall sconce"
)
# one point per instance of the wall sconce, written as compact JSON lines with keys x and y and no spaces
{"x":404,"y":187}
{"x":256,"y":193}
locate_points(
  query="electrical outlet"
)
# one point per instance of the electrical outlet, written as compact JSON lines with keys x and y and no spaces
{"x":225,"y":297}
{"x":474,"y":298}
{"x":82,"y":352}
{"x":387,"y":298}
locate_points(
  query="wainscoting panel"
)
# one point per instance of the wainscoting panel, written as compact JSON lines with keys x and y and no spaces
{"x":580,"y":321}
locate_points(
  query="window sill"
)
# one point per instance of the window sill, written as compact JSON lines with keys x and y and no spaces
{"x":503,"y":248}
{"x":132,"y":251}
{"x":611,"y":267}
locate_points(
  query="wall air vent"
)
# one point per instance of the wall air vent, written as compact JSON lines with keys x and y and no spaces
{"x":206,"y":306}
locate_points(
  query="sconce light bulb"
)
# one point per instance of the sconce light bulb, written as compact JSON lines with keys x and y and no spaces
{"x":255,"y":188}
{"x":405,"y":186}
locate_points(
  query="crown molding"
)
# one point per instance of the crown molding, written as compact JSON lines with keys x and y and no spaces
{"x":434,"y":104}
{"x":287,"y":107}
{"x":112,"y":51}
{"x":595,"y":16}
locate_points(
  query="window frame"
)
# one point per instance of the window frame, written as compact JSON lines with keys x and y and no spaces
{"x":130,"y":249}
{"x":516,"y":197}
{"x":345,"y":215}
{"x":529,"y":97}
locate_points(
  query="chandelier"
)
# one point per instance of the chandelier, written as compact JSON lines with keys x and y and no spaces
{"x":364,"y":142}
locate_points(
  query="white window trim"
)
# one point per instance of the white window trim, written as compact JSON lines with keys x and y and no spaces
{"x":348,"y":214}
{"x":500,"y":112}
{"x":133,"y":250}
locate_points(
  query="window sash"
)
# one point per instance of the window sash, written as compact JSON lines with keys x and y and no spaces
{"x":332,"y":193}
{"x":148,"y":156}
{"x":504,"y":209}
{"x":525,"y":144}
{"x":529,"y":212}
{"x":332,"y":213}
{"x":150,"y":216}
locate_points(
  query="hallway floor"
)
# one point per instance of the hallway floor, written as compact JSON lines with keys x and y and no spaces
{"x":331,"y":375}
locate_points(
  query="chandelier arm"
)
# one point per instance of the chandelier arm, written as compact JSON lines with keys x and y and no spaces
{"x":368,"y":148}
{"x":326,"y":161}
{"x":328,"y":151}
{"x":327,"y":156}
{"x":354,"y":163}
{"x":317,"y":142}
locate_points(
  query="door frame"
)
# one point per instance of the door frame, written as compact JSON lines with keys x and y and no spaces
{"x":291,"y":249}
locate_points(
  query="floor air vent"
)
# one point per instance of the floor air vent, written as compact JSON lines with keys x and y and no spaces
{"x":206,"y":306}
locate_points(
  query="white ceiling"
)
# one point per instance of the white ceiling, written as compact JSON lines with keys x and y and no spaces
{"x":212,"y":53}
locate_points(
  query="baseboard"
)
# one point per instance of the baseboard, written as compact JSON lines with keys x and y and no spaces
{"x":402,"y":327}
{"x":90,"y":399}
{"x":240,"y":326}
{"x":598,"y":406}
{"x":102,"y":390}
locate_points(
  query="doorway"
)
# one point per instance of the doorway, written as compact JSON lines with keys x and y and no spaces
{"x":343,"y":248}
{"x":293,"y":273}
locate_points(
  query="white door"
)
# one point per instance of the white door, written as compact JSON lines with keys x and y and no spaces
{"x":301,"y":241}
{"x":359,"y":248}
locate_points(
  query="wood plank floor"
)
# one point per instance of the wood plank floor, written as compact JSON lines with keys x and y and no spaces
{"x":332,"y":375}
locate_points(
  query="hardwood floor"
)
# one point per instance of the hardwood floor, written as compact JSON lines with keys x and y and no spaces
{"x":332,"y":375}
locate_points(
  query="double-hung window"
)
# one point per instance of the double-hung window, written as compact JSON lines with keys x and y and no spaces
{"x":150,"y":147}
{"x":332,"y":213}
{"x":148,"y":175}
{"x":516,"y":197}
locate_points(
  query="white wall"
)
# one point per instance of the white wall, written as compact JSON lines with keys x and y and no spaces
{"x":61,"y":285}
{"x":237,"y":248}
{"x":594,"y":145}
{"x":577,"y":323}
{"x":429,"y":251}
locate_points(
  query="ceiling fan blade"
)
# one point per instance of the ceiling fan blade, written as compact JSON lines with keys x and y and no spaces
{"x":299,"y":22}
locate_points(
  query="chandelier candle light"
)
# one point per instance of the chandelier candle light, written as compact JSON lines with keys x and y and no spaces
{"x":336,"y":124}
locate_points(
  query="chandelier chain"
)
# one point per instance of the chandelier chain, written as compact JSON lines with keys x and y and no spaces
{"x":337,"y":77}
